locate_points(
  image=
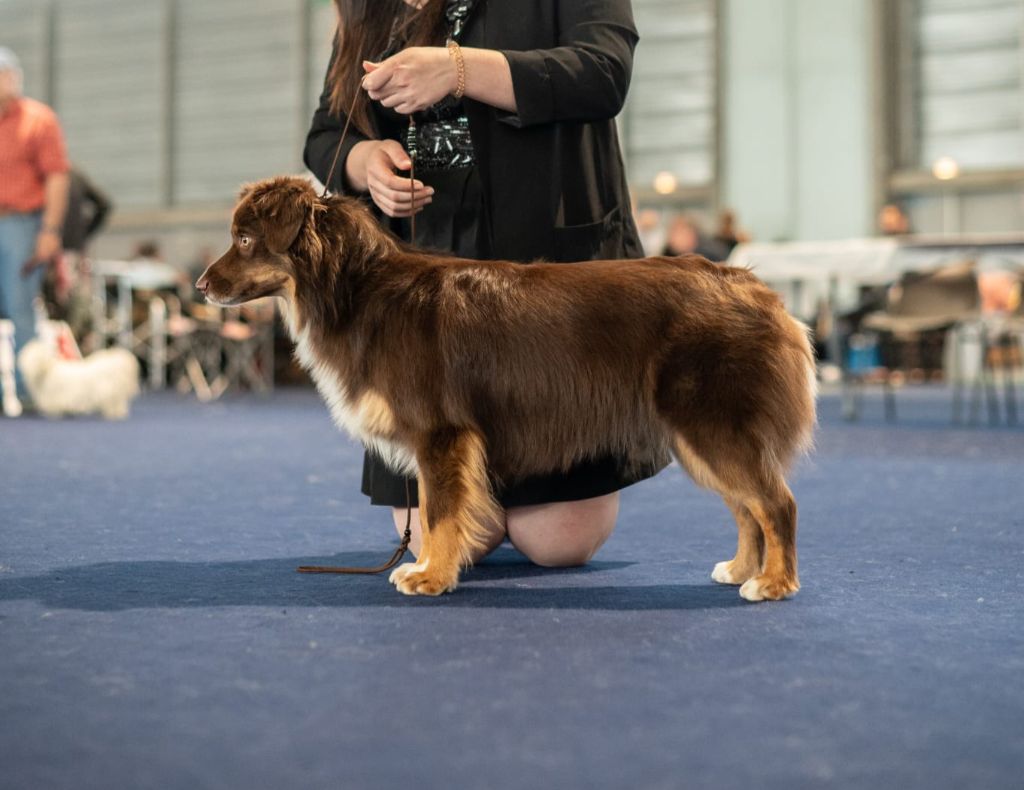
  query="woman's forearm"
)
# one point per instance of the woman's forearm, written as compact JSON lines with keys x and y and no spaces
{"x":489,"y":78}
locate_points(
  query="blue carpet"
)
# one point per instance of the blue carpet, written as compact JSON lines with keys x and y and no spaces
{"x":154,"y":634}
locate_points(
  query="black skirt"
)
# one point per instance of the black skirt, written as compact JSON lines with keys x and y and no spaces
{"x":452,"y":223}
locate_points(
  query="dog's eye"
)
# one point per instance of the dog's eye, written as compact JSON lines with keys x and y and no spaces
{"x":244,"y":242}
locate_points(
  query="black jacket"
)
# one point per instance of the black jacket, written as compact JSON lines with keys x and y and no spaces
{"x":552,"y":173}
{"x":88,"y":207}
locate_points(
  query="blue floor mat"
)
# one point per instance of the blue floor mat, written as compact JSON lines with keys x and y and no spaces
{"x":154,"y":634}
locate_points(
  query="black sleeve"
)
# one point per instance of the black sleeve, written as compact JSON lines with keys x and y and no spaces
{"x":586,"y":77}
{"x":101,"y":206}
{"x":323,"y":136}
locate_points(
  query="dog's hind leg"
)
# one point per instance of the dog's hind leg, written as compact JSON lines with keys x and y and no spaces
{"x":749,"y":557}
{"x":775,"y":511}
{"x":748,"y":480}
{"x":457,"y":512}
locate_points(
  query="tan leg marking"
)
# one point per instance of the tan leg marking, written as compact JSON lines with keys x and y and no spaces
{"x":457,"y":512}
{"x":778,"y":578}
{"x":749,"y":549}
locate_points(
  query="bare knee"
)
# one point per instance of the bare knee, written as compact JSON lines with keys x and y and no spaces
{"x":563,"y":534}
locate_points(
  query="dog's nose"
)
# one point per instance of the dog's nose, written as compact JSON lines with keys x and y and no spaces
{"x":202,"y":284}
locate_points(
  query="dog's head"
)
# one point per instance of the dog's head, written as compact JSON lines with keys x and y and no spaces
{"x":268,"y":221}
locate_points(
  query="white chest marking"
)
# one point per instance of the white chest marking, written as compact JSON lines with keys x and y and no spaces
{"x":356,"y":419}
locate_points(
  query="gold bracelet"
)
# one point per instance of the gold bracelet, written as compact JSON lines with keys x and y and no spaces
{"x":455,"y":51}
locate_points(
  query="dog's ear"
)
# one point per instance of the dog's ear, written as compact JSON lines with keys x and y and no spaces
{"x":282,"y":208}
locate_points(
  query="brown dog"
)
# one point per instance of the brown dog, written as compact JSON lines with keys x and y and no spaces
{"x":457,"y":369}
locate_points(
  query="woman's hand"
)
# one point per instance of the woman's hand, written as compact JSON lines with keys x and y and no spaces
{"x":371,"y":166}
{"x":412,"y":80}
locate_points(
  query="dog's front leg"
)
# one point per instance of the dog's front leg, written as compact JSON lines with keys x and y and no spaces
{"x":457,"y":511}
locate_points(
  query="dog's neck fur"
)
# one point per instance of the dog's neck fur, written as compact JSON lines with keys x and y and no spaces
{"x":324,"y":305}
{"x":326,"y":281}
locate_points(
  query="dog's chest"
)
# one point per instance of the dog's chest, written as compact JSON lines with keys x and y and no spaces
{"x":366,"y":418}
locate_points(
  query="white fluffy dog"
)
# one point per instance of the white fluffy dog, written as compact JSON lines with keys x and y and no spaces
{"x":105,"y":382}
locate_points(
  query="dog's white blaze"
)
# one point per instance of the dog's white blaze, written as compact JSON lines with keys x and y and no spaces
{"x":350,"y":419}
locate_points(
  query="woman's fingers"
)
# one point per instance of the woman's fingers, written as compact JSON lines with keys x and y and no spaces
{"x":391,"y":192}
{"x":393,"y":209}
{"x":399,"y":203}
{"x":402,"y":101}
{"x":377,"y":74}
{"x":399,"y":209}
{"x":398,"y":200}
{"x":398,"y":189}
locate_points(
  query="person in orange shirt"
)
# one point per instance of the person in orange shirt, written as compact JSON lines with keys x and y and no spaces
{"x":33,"y":197}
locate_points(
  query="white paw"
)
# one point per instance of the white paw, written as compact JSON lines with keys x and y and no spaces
{"x":751,"y":590}
{"x":404,"y":570}
{"x":721,"y":573}
{"x":420,"y":584}
{"x":764,"y":588}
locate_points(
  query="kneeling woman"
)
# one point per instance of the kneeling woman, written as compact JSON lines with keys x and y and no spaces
{"x":517,"y":158}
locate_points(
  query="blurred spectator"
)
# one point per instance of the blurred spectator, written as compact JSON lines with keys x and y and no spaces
{"x":727,"y":233}
{"x":88,"y":208}
{"x":684,"y":237}
{"x":648,"y":225}
{"x":148,"y":250}
{"x":68,"y":289}
{"x":1000,"y":292}
{"x":893,"y":220}
{"x":150,"y":273}
{"x":33,"y":198}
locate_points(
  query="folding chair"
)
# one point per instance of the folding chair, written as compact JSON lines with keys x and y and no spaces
{"x":249,"y":347}
{"x":919,"y":311}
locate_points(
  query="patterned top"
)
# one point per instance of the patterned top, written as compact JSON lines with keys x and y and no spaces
{"x":441,"y":139}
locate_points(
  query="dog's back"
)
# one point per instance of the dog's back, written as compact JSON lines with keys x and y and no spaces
{"x":593,"y":357}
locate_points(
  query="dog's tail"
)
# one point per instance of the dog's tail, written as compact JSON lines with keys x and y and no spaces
{"x":809,"y":391}
{"x":787,"y":406}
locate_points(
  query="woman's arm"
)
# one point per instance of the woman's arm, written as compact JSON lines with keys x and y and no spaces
{"x":364,"y":165}
{"x":584,"y":78}
{"x":419,"y":77}
{"x":322,"y":142}
{"x":489,"y":78}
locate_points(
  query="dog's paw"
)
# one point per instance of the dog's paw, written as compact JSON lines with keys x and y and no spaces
{"x":405,"y":569}
{"x":727,"y":573}
{"x":764,"y":588}
{"x":414,"y":578}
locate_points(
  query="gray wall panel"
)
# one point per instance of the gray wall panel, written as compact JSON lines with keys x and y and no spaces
{"x":669,"y":119}
{"x":23,"y":28}
{"x":970,"y":83}
{"x":238,"y":100}
{"x":110,"y":82}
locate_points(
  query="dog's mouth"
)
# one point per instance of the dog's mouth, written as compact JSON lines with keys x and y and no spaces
{"x":220,"y":302}
{"x":240,"y":286}
{"x":204,"y":286}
